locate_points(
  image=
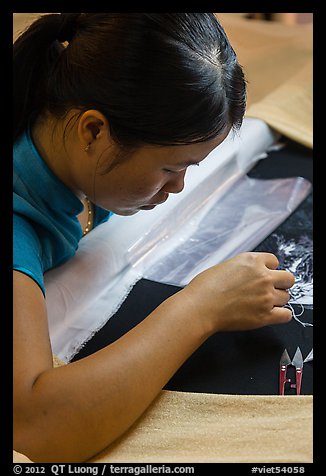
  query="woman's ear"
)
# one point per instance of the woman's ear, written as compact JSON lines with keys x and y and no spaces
{"x":93,"y":129}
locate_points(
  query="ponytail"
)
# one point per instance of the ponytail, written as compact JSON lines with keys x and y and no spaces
{"x":34,"y":55}
{"x":158,"y":78}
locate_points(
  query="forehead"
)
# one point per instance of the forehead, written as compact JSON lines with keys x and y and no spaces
{"x":182,"y":155}
{"x":196,"y":152}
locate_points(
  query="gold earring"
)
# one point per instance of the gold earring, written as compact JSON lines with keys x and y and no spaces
{"x":87,"y":147}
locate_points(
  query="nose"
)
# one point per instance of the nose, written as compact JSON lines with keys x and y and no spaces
{"x":176,"y":183}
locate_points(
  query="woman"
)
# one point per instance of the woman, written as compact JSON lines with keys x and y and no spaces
{"x":110,"y":110}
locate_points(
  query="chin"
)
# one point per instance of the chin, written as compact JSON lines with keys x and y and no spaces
{"x":126,"y":213}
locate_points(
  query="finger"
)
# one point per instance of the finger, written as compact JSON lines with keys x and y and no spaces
{"x":282,"y":279}
{"x":280,"y":315}
{"x":269,"y":259}
{"x":281,"y":297}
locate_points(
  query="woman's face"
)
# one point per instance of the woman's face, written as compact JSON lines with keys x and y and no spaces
{"x":123,"y":184}
{"x":146,"y":178}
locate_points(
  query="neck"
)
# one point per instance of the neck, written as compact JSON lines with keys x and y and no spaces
{"x":47,"y":136}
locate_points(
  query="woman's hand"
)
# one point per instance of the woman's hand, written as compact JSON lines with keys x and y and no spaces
{"x":242,"y":293}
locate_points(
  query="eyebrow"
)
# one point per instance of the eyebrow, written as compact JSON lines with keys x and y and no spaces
{"x":186,"y":164}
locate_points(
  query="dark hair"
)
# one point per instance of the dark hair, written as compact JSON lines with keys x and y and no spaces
{"x":159,"y":78}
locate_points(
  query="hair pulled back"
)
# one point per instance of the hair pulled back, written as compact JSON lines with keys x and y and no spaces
{"x":158,"y":78}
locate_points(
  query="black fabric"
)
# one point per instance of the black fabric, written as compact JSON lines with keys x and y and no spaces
{"x":245,"y":363}
{"x":293,"y":160}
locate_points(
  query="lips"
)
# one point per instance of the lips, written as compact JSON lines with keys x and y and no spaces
{"x":166,"y":196}
{"x":153,"y":205}
{"x":147,"y":207}
{"x":162,"y":201}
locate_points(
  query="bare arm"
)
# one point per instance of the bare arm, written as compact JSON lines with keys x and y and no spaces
{"x":80,"y":408}
{"x":70,"y":413}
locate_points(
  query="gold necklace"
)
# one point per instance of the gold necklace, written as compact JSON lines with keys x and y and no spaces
{"x":89,"y":217}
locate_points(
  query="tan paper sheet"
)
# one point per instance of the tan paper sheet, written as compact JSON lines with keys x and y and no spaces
{"x":196,"y":427}
{"x":278,"y":63}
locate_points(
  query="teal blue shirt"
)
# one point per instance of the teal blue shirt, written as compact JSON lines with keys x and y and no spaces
{"x":46,"y":229}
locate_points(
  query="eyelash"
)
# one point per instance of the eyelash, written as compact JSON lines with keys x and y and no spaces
{"x":177,"y":171}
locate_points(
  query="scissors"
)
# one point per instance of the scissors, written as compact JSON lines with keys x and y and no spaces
{"x":296,"y":362}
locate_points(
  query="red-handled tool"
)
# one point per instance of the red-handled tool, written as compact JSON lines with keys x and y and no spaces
{"x":297,"y":362}
{"x":284,"y":362}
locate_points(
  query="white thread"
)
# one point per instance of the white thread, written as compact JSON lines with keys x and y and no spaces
{"x":296,"y":316}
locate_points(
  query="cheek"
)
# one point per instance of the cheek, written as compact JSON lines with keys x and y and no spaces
{"x":145,"y":185}
{"x":146,"y":189}
{"x":125,"y":188}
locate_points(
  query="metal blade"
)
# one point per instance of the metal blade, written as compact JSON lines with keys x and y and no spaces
{"x":309,"y":357}
{"x":297,"y":360}
{"x":285,"y":359}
